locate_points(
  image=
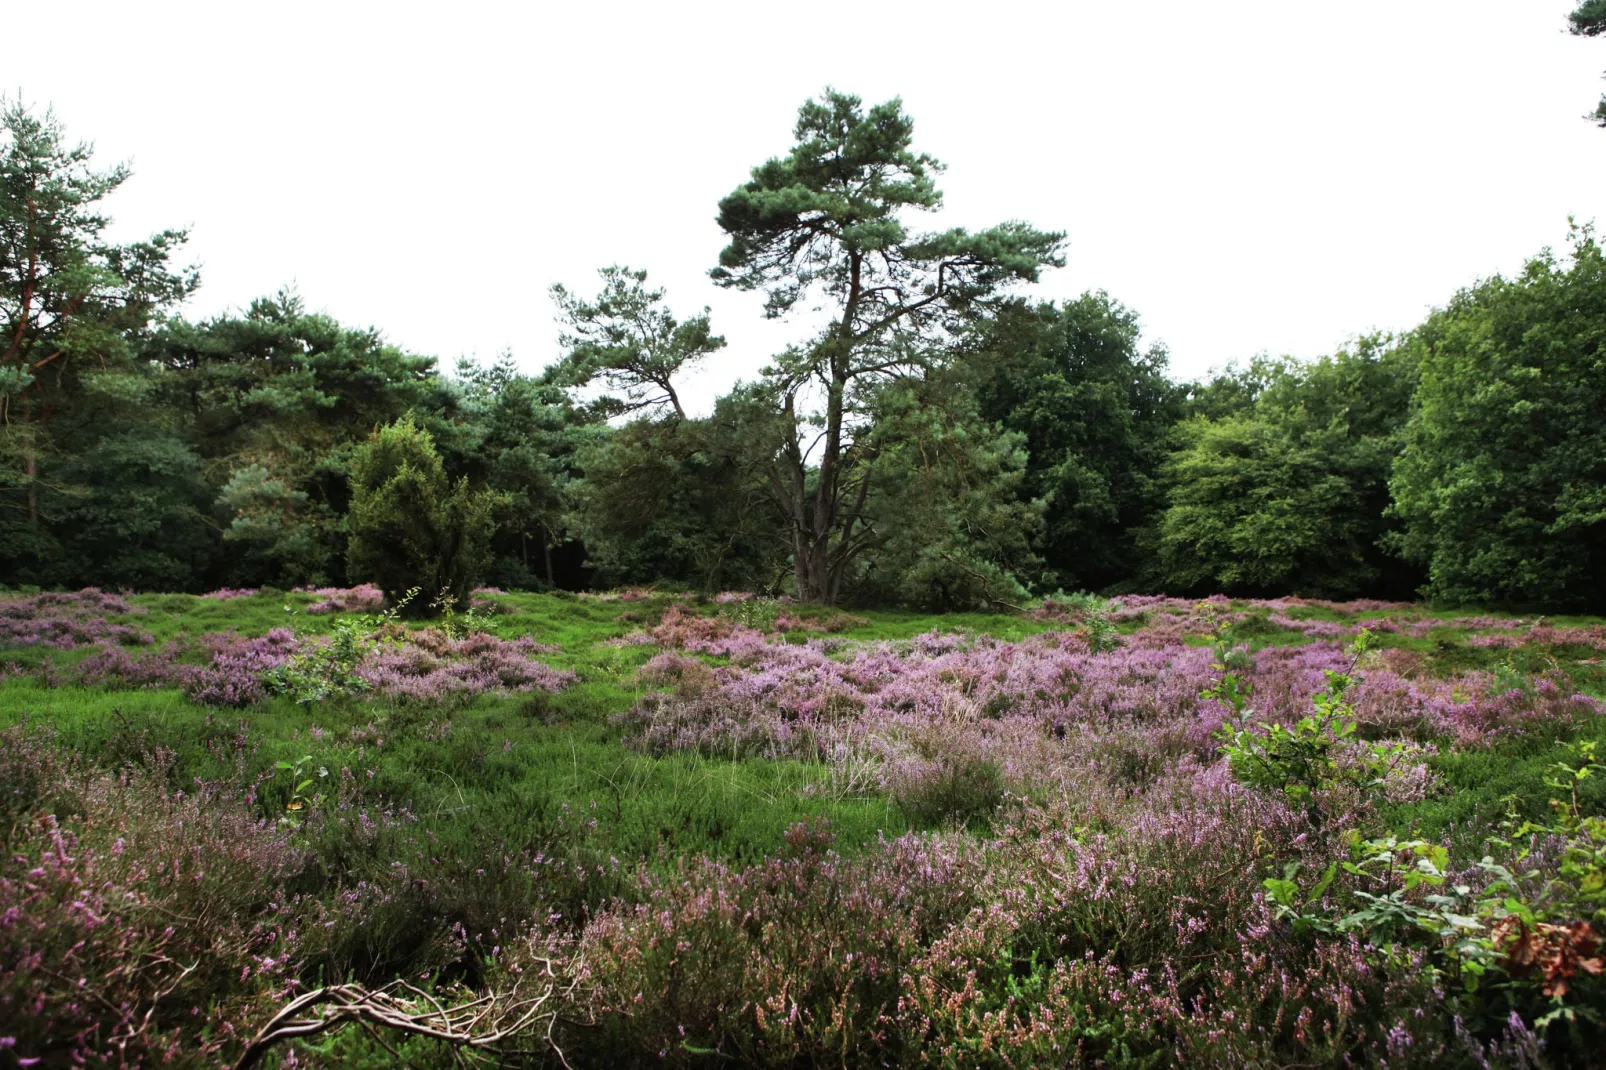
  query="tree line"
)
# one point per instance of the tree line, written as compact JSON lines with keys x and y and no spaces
{"x":943,"y":441}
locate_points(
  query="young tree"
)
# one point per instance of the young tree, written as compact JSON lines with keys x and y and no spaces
{"x":827,"y":222}
{"x":410,"y":526}
{"x":72,"y":304}
{"x":1589,"y":20}
{"x":627,"y":338}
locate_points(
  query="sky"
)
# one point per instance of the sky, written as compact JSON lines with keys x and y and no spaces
{"x":1248,"y":176}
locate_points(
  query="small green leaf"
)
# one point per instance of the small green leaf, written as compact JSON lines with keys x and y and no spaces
{"x":1322,"y":885}
{"x":1282,"y":892}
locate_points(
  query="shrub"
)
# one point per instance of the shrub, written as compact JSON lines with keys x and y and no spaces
{"x":409,"y":527}
{"x":140,"y":925}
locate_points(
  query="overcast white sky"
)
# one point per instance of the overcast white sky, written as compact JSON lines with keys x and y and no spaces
{"x":1249,"y":176}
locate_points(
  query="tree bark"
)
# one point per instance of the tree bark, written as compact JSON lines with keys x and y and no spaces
{"x":818,"y":579}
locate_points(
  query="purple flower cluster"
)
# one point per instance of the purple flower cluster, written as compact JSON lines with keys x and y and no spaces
{"x":66,"y":621}
{"x":139,"y":905}
{"x":431,"y":667}
{"x":223,"y":594}
{"x":234,"y":676}
{"x":225,"y":669}
{"x":1051,"y":944}
{"x":1044,"y":712}
{"x":364,"y":598}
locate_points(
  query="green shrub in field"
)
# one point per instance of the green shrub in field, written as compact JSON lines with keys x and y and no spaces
{"x":410,"y":527}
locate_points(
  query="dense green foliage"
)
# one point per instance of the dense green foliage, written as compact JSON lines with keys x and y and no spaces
{"x":1095,"y":412}
{"x":75,"y":312}
{"x":1288,"y":491}
{"x":411,"y":529}
{"x":1502,"y":479}
{"x":938,"y":443}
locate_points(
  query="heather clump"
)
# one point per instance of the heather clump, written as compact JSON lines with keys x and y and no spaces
{"x":1393,"y":696}
{"x":364,"y":598}
{"x":790,"y":961}
{"x":740,"y":631}
{"x":116,"y":667}
{"x":240,"y":669}
{"x":941,"y":712}
{"x":360,"y":656}
{"x":67,"y":621}
{"x":128,"y":908}
{"x":224,"y":594}
{"x":434,"y":670}
{"x":1049,"y":944}
{"x":369,"y":656}
{"x":680,"y":628}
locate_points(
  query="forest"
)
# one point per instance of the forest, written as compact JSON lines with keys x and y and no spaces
{"x":963,"y":689}
{"x":945,"y":443}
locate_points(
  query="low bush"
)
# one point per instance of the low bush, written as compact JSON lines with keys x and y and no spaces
{"x":140,"y":925}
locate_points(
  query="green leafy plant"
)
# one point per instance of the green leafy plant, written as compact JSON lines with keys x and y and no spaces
{"x":300,"y":804}
{"x":1509,"y":945}
{"x":329,"y":669}
{"x":1100,"y":632}
{"x":1554,"y":944}
{"x":458,"y":625}
{"x":1302,"y":760}
{"x":1297,"y":906}
{"x":759,"y":613}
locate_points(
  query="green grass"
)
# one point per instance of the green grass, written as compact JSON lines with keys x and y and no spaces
{"x":1483,"y":789}
{"x":519,"y":769}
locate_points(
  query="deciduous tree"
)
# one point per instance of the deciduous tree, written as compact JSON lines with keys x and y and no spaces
{"x":1502,"y":482}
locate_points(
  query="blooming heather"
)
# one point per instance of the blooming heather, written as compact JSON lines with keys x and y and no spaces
{"x":364,"y":598}
{"x":1045,"y":711}
{"x":67,"y":621}
{"x":224,"y":594}
{"x":224,"y":669}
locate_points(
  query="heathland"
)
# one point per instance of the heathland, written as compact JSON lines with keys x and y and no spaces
{"x":647,"y":828}
{"x":539,"y":717}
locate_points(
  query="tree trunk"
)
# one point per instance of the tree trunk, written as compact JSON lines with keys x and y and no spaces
{"x":811,"y":560}
{"x":814,"y":522}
